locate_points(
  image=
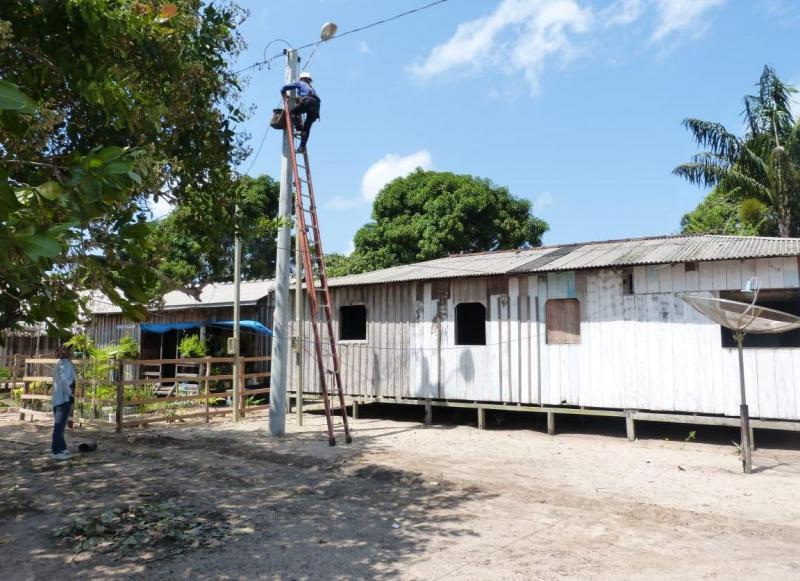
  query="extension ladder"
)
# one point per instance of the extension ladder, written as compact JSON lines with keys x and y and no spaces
{"x":319,"y":296}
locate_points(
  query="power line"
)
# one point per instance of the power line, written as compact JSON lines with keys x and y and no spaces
{"x":267,"y":61}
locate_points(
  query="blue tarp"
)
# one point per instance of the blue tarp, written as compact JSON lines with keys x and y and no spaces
{"x":246,"y":324}
{"x":162,"y":328}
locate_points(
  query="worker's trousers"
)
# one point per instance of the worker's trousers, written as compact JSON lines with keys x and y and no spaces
{"x":310,"y":107}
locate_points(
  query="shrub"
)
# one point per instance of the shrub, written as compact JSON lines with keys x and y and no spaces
{"x":192,"y":346}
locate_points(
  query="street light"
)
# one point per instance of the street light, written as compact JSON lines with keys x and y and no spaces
{"x":328,"y":31}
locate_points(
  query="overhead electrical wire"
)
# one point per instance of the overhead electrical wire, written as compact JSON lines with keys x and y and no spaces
{"x":267,"y":61}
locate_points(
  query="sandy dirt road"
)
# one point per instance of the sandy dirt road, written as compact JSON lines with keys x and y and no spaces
{"x":410,"y":502}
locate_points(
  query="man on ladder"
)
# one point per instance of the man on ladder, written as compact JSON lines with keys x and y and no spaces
{"x":308,"y":103}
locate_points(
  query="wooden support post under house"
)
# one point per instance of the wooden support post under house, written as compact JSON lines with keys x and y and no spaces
{"x":355,"y":410}
{"x":428,"y":414}
{"x":551,"y":423}
{"x":117,"y":368}
{"x":481,"y":419}
{"x":630,"y":428}
{"x":752,"y":438}
{"x":207,"y":388}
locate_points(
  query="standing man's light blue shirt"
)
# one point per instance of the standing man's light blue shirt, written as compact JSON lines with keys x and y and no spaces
{"x":63,"y":378}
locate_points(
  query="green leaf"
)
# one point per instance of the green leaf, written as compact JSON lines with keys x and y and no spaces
{"x":117,"y":168}
{"x":39,"y":246}
{"x":12,"y":99}
{"x":60,"y":229}
{"x":8,"y":200}
{"x":110,"y":153}
{"x":50,"y":190}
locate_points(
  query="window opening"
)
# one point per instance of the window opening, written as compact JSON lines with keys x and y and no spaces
{"x":353,"y":323}
{"x":470,"y":324}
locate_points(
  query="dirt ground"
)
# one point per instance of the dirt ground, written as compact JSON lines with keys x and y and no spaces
{"x":413,"y":502}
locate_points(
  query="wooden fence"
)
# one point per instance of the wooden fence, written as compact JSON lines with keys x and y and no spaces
{"x":123,"y":394}
{"x":12,"y":365}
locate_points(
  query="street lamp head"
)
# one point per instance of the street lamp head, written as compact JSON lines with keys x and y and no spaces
{"x":328,"y":31}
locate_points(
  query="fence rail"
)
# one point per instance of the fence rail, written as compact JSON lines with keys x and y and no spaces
{"x":124,"y":397}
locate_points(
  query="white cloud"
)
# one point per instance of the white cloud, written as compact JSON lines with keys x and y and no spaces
{"x":544,"y":200}
{"x":681,"y":15}
{"x":344,"y":203}
{"x":363,"y":47}
{"x":390,"y":167}
{"x":539,"y":30}
{"x":622,"y":12}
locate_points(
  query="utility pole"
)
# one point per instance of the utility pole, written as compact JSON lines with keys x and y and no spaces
{"x":299,"y":311}
{"x":280,"y":327}
{"x":237,"y":275}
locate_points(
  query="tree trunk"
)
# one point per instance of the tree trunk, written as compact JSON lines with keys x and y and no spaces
{"x":785,"y":223}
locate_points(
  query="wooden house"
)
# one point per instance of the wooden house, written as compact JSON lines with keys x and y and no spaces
{"x":578,"y":327}
{"x":208,"y":315}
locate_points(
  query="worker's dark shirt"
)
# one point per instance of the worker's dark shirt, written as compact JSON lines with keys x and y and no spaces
{"x":303,"y":90}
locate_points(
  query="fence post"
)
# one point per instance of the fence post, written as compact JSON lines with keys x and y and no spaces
{"x":14,"y":372}
{"x":207,"y":374}
{"x":116,"y":369}
{"x":24,"y":391}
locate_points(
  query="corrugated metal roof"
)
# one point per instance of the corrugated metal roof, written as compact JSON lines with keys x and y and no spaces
{"x":612,"y":253}
{"x":587,"y":255}
{"x":212,"y":295}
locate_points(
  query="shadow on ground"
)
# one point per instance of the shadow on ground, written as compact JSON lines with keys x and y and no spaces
{"x":327,"y":514}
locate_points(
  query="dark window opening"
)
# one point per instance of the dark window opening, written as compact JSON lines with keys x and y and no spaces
{"x":786,"y":300}
{"x":690,"y":267}
{"x":470,"y":324}
{"x":353,"y":323}
{"x":563,"y":321}
{"x":627,"y":281}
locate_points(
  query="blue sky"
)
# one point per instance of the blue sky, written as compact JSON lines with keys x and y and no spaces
{"x":575,"y":105}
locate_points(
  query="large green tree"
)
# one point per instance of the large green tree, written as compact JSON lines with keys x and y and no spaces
{"x":194,"y":243}
{"x":105,"y":105}
{"x":429,"y":214}
{"x":757,"y":176}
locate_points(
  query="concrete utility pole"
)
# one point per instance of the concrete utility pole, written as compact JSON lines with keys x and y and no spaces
{"x":299,"y":311}
{"x":280,"y":321}
{"x":237,"y":283}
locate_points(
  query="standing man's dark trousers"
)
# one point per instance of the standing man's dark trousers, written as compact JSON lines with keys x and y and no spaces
{"x":309,"y":106}
{"x":60,"y":417}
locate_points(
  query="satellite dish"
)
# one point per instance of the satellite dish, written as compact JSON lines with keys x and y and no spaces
{"x":328,"y":31}
{"x":743,"y":318}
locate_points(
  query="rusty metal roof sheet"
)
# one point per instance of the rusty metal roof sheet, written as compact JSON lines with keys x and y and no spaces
{"x":588,"y":255}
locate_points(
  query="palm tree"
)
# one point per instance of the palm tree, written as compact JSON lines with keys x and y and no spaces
{"x":764,"y":165}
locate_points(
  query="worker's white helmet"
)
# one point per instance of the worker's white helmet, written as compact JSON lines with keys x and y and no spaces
{"x":305,"y":76}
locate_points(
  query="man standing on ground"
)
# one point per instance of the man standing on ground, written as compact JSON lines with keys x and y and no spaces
{"x":63,"y":386}
{"x":308,"y":103}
